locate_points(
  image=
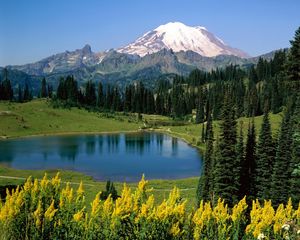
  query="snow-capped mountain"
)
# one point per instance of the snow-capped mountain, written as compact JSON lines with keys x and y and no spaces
{"x":180,"y":37}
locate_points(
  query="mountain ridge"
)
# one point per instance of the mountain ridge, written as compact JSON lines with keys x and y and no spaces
{"x":113,"y":66}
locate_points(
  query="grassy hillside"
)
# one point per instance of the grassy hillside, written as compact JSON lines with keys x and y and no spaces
{"x":38,"y":117}
{"x":192,"y":133}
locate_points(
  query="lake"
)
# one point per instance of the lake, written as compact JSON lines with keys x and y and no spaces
{"x":116,"y":157}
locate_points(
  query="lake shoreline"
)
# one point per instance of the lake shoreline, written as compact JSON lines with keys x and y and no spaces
{"x":3,"y":138}
{"x":158,"y":130}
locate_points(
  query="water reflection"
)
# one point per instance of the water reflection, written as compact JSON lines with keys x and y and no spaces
{"x":90,"y":145}
{"x":136,"y":143}
{"x":111,"y":156}
{"x":174,"y":146}
{"x":113,"y":142}
{"x":68,"y":147}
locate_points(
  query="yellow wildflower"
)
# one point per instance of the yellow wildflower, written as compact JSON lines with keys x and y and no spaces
{"x":44,"y":181}
{"x":279,"y":218}
{"x":56,"y":180}
{"x":38,"y":214}
{"x":50,"y":212}
{"x":108,"y":206}
{"x":80,"y":190}
{"x":28,"y":184}
{"x":142,"y":184}
{"x":239,"y":209}
{"x":174,"y":196}
{"x":124,"y":203}
{"x":220,"y":212}
{"x":79,"y":215}
{"x":146,"y":207}
{"x":96,"y":205}
{"x":175,"y":230}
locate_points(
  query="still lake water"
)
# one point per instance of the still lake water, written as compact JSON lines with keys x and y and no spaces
{"x":118,"y":157}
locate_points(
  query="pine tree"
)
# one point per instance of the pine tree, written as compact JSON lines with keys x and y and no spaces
{"x":205,"y":187}
{"x":6,"y":91}
{"x":90,"y":94}
{"x":49,"y":90}
{"x":44,"y":89}
{"x":264,"y":160}
{"x":240,"y":159}
{"x":247,"y":180}
{"x":293,"y":63}
{"x":225,"y":184}
{"x":20,"y":94}
{"x":200,"y":108}
{"x":281,"y":170}
{"x":26,"y":95}
{"x":294,"y":192}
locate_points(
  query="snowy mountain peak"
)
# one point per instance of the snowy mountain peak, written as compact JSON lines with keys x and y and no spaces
{"x":180,"y":37}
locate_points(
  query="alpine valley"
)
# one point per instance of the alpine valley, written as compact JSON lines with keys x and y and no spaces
{"x":173,"y":48}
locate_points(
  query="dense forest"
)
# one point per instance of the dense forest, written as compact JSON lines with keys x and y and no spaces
{"x":263,"y":167}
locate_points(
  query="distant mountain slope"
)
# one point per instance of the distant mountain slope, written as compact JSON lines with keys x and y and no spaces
{"x":180,"y":37}
{"x":61,"y":62}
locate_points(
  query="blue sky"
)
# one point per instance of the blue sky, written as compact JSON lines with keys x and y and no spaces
{"x":33,"y":29}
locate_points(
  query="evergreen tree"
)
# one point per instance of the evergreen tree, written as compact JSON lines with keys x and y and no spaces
{"x":200,"y":110}
{"x":44,"y":89}
{"x":225,"y":178}
{"x":205,"y":188}
{"x":127,"y":98}
{"x":294,"y":192}
{"x":247,"y":182}
{"x":265,"y":159}
{"x":281,"y":170}
{"x":6,"y":91}
{"x":100,"y":101}
{"x":293,"y":63}
{"x":61,"y":91}
{"x":49,"y":90}
{"x":90,"y":94}
{"x":240,"y":159}
{"x":26,"y":95}
{"x":20,"y":94}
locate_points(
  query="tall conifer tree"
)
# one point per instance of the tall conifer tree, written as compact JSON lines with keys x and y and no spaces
{"x":281,"y":170}
{"x":264,"y":160}
{"x":225,"y":184}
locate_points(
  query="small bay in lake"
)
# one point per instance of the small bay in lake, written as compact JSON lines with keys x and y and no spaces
{"x":116,"y":157}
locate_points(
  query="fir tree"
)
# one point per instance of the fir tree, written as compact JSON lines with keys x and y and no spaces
{"x":49,"y":90}
{"x":281,"y":170}
{"x":90,"y":94}
{"x":264,"y":160}
{"x":293,"y":63}
{"x":26,"y":95}
{"x":20,"y":94}
{"x":240,"y":159}
{"x":205,"y":188}
{"x":225,"y":178}
{"x":6,"y":91}
{"x":294,"y":192}
{"x":44,"y":89}
{"x":247,"y":182}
